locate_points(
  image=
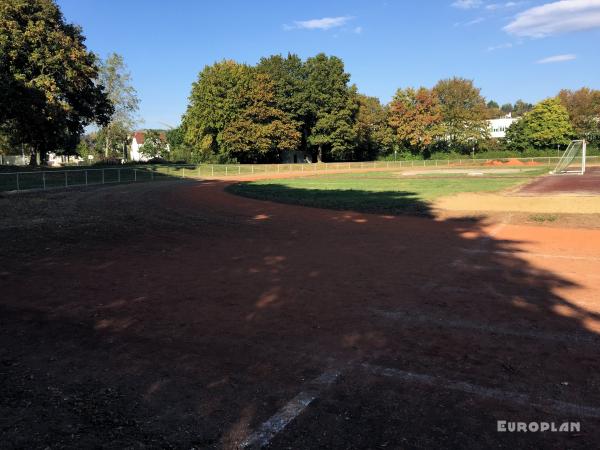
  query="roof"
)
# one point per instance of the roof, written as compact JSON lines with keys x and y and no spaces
{"x":140,"y":136}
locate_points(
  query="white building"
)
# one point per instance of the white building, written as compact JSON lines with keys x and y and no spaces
{"x":137,"y":142}
{"x":498,"y":127}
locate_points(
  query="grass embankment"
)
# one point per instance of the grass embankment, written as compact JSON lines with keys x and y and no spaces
{"x":381,"y":192}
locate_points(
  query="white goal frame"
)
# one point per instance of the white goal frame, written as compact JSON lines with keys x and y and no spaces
{"x":569,"y":156}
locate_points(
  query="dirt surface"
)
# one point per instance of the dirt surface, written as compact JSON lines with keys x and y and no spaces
{"x":565,"y":184}
{"x":175,"y":315}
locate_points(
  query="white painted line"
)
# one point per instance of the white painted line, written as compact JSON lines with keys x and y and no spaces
{"x":481,"y":391}
{"x":269,"y":429}
{"x":524,"y":252}
{"x":571,"y":338}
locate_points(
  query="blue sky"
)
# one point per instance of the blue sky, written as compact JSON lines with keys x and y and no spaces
{"x":512,"y":49}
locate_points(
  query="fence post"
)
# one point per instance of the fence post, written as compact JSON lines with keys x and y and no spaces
{"x":183,"y":172}
{"x":86,"y":177}
{"x":18,"y":187}
{"x":44,"y":180}
{"x":240,"y":168}
{"x":225,"y":169}
{"x":66,"y":178}
{"x":119,"y":175}
{"x":102,"y":176}
{"x":134,"y":174}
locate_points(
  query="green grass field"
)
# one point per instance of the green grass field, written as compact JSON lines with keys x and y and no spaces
{"x":377,"y":192}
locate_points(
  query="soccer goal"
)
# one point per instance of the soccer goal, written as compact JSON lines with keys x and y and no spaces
{"x":573,"y":159}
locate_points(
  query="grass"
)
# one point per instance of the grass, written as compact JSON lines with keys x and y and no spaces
{"x":541,"y":218}
{"x":381,"y":192}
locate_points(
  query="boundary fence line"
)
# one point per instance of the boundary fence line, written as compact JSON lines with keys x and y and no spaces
{"x":66,"y":178}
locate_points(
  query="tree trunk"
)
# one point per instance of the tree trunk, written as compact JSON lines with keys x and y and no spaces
{"x":32,"y":157}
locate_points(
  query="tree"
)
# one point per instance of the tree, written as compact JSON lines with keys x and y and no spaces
{"x":262,"y":130}
{"x":234,"y":114}
{"x":218,"y":97}
{"x":333,"y":107}
{"x":116,"y":79}
{"x":373,"y":134}
{"x":289,"y":79}
{"x":492,"y":110}
{"x":463,"y":111}
{"x":48,"y":79}
{"x":507,"y":108}
{"x":521,"y":108}
{"x":416,"y":117}
{"x":155,"y":144}
{"x":546,"y":125}
{"x":583,"y":107}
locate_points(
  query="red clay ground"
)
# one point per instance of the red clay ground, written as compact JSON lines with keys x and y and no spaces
{"x":588,"y":183}
{"x":175,"y":315}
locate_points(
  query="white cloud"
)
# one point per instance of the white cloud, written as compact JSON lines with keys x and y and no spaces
{"x":467,"y":4}
{"x":325,"y":23}
{"x":496,"y":6}
{"x":358,"y":30}
{"x":474,"y":21}
{"x":555,"y":18}
{"x":557,"y":58}
{"x":492,"y":48}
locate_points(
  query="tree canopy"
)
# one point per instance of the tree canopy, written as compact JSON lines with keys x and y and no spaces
{"x":48,"y":79}
{"x":583,"y":107}
{"x":546,"y":125}
{"x":416,"y":117}
{"x":116,"y":79}
{"x":463,"y":111}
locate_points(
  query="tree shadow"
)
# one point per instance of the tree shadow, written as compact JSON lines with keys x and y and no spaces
{"x":182,"y":336}
{"x":377,"y":202}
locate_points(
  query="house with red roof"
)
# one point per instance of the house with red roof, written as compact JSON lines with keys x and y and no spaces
{"x":137,"y":142}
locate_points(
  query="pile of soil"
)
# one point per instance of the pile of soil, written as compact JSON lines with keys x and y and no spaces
{"x":511,"y":162}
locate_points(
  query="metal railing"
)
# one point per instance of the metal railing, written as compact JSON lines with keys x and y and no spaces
{"x":52,"y":179}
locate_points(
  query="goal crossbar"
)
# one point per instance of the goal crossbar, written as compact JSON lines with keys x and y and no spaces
{"x":573,"y":159}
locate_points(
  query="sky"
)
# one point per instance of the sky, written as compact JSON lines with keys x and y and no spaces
{"x":511,"y":49}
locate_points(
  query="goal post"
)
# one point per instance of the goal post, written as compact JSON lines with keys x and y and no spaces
{"x":573,"y":159}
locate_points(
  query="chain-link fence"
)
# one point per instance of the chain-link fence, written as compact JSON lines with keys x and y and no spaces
{"x":49,"y":179}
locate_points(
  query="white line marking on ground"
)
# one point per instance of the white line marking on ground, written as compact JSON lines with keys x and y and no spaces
{"x":269,"y":429}
{"x":539,"y":255}
{"x":481,"y":391}
{"x":504,"y":330}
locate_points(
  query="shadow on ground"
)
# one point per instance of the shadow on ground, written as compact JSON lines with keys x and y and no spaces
{"x":213,"y":311}
{"x":382,"y":202}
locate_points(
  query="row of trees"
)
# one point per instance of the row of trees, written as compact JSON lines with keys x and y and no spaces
{"x":248,"y":113}
{"x":253,"y":113}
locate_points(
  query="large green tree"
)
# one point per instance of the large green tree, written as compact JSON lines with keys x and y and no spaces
{"x":373,"y":134}
{"x":261,"y":131}
{"x":545,"y":126}
{"x":234,"y":115}
{"x":416,"y":117}
{"x":289,"y":80}
{"x":116,"y":79}
{"x":583,"y":107}
{"x":333,"y":106}
{"x":463,"y":111}
{"x":48,"y":79}
{"x":217,"y":99}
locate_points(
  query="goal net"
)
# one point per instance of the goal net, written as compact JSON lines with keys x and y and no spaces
{"x":573,"y":159}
